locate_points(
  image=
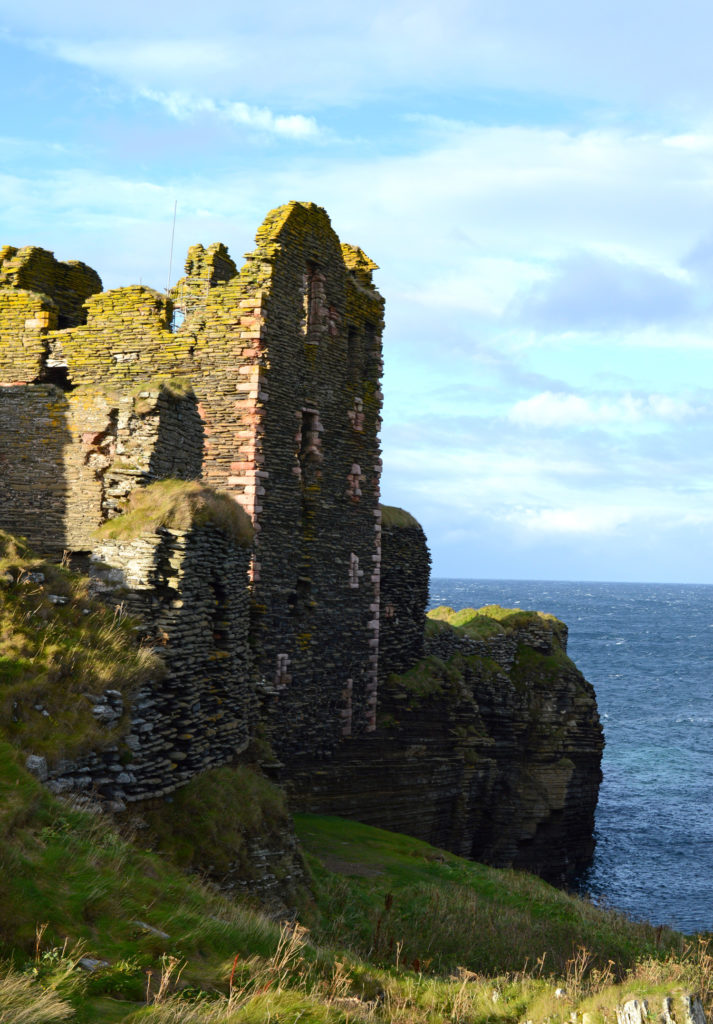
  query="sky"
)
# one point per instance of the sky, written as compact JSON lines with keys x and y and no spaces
{"x":535,"y":182}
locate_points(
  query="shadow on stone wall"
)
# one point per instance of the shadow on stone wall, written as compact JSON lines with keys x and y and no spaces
{"x":34,"y":437}
{"x":178,"y":448}
{"x":188,"y":588}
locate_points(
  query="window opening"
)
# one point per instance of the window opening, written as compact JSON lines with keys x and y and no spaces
{"x":309,"y":281}
{"x":282,"y":675}
{"x":309,"y":451}
{"x":219,"y":616}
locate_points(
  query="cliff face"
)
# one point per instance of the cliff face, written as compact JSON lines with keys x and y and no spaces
{"x":490,"y":747}
{"x":307,"y":617}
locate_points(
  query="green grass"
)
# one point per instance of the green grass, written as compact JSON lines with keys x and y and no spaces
{"x":393,"y":516}
{"x":377,"y":891}
{"x":179,"y":505}
{"x":400,"y":932}
{"x":489,"y":621}
{"x":57,"y":644}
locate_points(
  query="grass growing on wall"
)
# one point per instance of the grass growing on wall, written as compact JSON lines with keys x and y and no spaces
{"x":393,"y":516}
{"x":179,"y":505}
{"x":57,"y":645}
{"x":214,"y":824}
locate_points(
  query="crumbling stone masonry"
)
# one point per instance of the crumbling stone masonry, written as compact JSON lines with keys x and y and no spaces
{"x":269,"y":390}
{"x":218,"y":474}
{"x":405,"y":575}
{"x":188,"y":587}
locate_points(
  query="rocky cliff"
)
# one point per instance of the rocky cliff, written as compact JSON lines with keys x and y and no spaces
{"x":489,"y":747}
{"x":218,"y":478}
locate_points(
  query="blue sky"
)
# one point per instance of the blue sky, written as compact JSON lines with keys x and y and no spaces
{"x":534,"y":180}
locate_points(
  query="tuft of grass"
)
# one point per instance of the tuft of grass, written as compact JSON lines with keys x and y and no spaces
{"x":24,"y":1001}
{"x":13,"y":549}
{"x":57,"y":646}
{"x":179,"y":505}
{"x":429,"y":677}
{"x":393,"y":516}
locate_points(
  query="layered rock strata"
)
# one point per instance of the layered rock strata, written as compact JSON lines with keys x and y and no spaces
{"x":492,"y":751}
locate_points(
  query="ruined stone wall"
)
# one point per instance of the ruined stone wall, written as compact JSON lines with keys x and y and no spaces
{"x":128,"y":343}
{"x":204,"y":268}
{"x":405,"y":575}
{"x":69,"y":460}
{"x":189,"y":589}
{"x":36,"y":270}
{"x":316,"y":567}
{"x":25,"y":318}
{"x":34,"y":438}
{"x":285,"y":360}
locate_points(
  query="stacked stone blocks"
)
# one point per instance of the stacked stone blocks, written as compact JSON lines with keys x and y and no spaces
{"x":268,"y":390}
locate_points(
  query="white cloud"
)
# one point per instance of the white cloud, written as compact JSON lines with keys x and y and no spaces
{"x":693,"y":142}
{"x":351,"y":51}
{"x":587,"y":519}
{"x":139,"y":60}
{"x":483,"y":285}
{"x":551,"y":409}
{"x":182,"y":106}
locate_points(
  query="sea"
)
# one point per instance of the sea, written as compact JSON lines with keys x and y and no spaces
{"x":647,"y":649}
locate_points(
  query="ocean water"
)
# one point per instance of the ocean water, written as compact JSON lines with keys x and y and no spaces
{"x":648,"y":651}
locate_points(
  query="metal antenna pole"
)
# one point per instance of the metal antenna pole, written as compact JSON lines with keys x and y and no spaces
{"x":170,"y":258}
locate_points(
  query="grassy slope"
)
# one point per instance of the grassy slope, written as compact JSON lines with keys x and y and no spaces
{"x":399,"y":931}
{"x":385,"y":890}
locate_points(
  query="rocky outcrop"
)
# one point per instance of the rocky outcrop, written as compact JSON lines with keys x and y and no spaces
{"x":491,"y":750}
{"x":684,"y":1008}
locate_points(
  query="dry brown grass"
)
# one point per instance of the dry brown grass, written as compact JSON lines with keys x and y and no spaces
{"x":23,"y":1001}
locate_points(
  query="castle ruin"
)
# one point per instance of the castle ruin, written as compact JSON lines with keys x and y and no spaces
{"x":268,"y":393}
{"x":211,"y":459}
